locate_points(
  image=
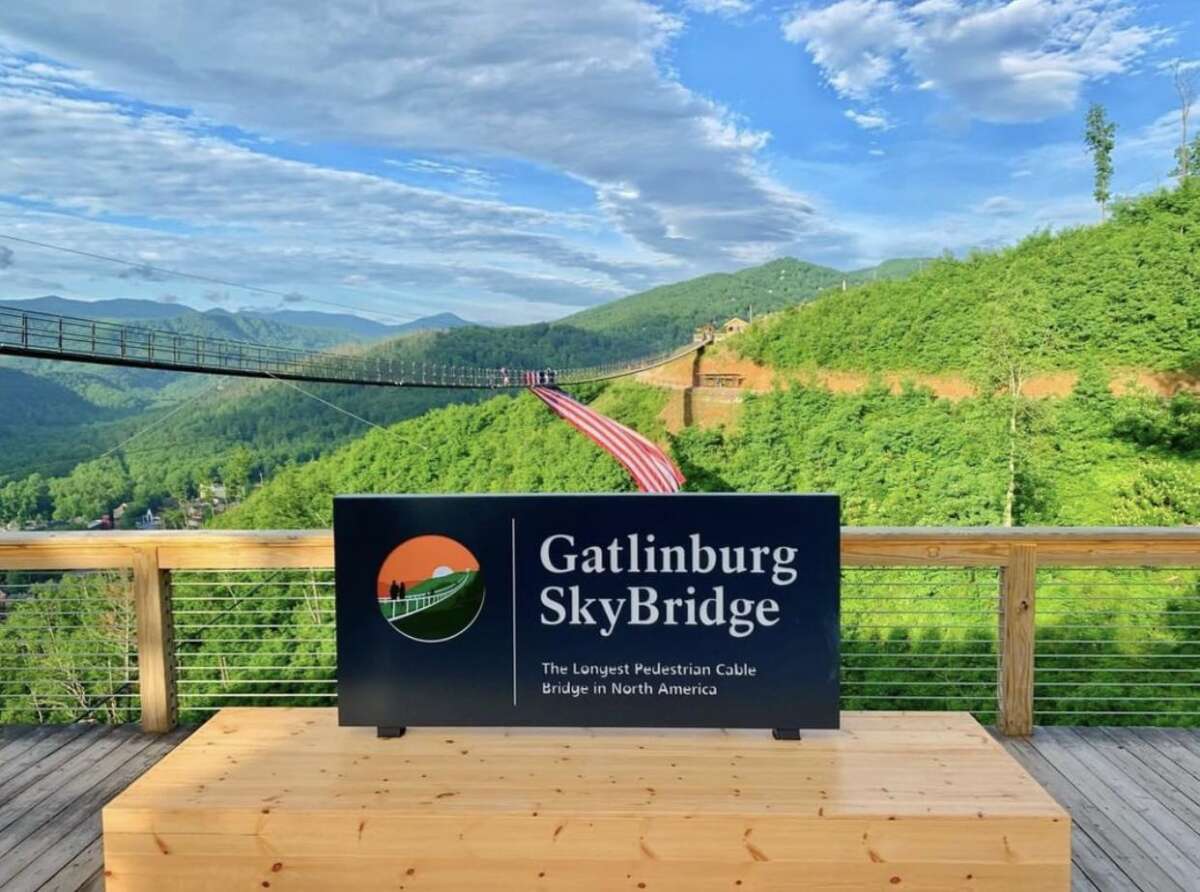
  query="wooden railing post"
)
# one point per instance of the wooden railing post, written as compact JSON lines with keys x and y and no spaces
{"x":1018,"y":601}
{"x":156,"y":641}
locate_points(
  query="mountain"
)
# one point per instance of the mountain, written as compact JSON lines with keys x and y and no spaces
{"x":285,"y":327}
{"x":366,"y":329}
{"x":666,"y":316}
{"x":1122,"y":294}
{"x":1125,"y":294}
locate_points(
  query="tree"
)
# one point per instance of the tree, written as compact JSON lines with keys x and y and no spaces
{"x":1018,"y":342}
{"x":1185,"y":87}
{"x":1191,"y":158}
{"x":25,"y":500}
{"x":1099,"y":136}
{"x":92,"y":489}
{"x":235,"y":472}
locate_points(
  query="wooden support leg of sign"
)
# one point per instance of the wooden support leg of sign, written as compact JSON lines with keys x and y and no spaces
{"x":390,"y":732}
{"x":284,"y":799}
{"x":786,"y":733}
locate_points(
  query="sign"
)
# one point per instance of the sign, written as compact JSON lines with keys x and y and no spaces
{"x":588,"y":610}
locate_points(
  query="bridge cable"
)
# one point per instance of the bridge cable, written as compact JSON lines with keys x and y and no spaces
{"x":346,"y":412}
{"x":157,"y":421}
{"x":50,"y":466}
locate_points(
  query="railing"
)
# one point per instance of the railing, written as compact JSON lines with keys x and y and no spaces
{"x":53,"y":336}
{"x":1066,"y":625}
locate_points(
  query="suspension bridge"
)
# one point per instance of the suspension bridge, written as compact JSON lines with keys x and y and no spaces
{"x":41,"y":335}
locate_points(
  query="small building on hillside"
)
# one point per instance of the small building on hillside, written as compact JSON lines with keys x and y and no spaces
{"x":704,"y":333}
{"x":736,"y":325}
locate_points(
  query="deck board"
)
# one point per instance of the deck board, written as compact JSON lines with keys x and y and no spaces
{"x":77,"y":772}
{"x":1132,"y":795}
{"x":57,"y":778}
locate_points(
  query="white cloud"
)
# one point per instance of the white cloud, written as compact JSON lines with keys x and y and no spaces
{"x":853,"y":42}
{"x":872,"y":120}
{"x":1001,"y":61}
{"x":221,"y":208}
{"x":877,"y":153}
{"x":720,"y":7}
{"x":999,"y":206}
{"x":472,"y":178}
{"x":580,"y":91}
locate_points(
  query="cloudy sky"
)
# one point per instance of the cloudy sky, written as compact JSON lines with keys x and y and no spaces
{"x":511,"y":160}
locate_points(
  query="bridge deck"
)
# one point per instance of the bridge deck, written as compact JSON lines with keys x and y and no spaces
{"x":1134,"y":795}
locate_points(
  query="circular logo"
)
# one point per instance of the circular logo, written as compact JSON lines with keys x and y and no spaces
{"x":430,"y":589}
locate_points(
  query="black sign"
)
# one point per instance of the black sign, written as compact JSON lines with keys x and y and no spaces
{"x":614,"y":610}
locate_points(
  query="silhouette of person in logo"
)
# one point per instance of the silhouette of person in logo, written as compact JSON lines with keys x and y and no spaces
{"x":395,"y":591}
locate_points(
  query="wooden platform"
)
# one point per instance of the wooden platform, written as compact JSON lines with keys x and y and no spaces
{"x":54,"y":844}
{"x":283,"y":798}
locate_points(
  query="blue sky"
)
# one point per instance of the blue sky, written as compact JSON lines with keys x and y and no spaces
{"x":517,"y":160}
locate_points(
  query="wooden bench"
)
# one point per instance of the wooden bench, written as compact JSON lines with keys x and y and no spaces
{"x":283,"y":798}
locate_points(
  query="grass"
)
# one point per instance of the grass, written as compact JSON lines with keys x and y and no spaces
{"x":446,"y":618}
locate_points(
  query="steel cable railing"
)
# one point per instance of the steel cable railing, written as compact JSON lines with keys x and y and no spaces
{"x":68,"y":647}
{"x":246,"y":638}
{"x":921,"y":638}
{"x":1106,"y":644}
{"x":1118,"y":646}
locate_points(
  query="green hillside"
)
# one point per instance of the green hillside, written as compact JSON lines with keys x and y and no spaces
{"x":665,"y":317}
{"x":1126,"y":293}
{"x":506,"y":444}
{"x":911,"y":459}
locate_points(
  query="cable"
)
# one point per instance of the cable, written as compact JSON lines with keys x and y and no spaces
{"x":407,"y":317}
{"x":121,"y":445}
{"x":346,"y":412}
{"x":153,"y":424}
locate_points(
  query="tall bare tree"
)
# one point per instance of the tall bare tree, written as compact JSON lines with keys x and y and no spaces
{"x":1099,"y":136}
{"x":1019,"y":340}
{"x":1185,"y":77}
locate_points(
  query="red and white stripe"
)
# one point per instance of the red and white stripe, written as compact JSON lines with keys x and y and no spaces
{"x":646,"y":463}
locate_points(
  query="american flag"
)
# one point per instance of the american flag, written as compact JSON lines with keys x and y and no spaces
{"x":646,"y":463}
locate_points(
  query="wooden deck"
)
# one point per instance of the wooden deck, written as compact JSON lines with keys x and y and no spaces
{"x":1134,"y":798}
{"x":54,"y":779}
{"x":1134,"y":795}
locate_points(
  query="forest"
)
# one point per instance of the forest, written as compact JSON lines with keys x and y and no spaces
{"x":1122,"y":294}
